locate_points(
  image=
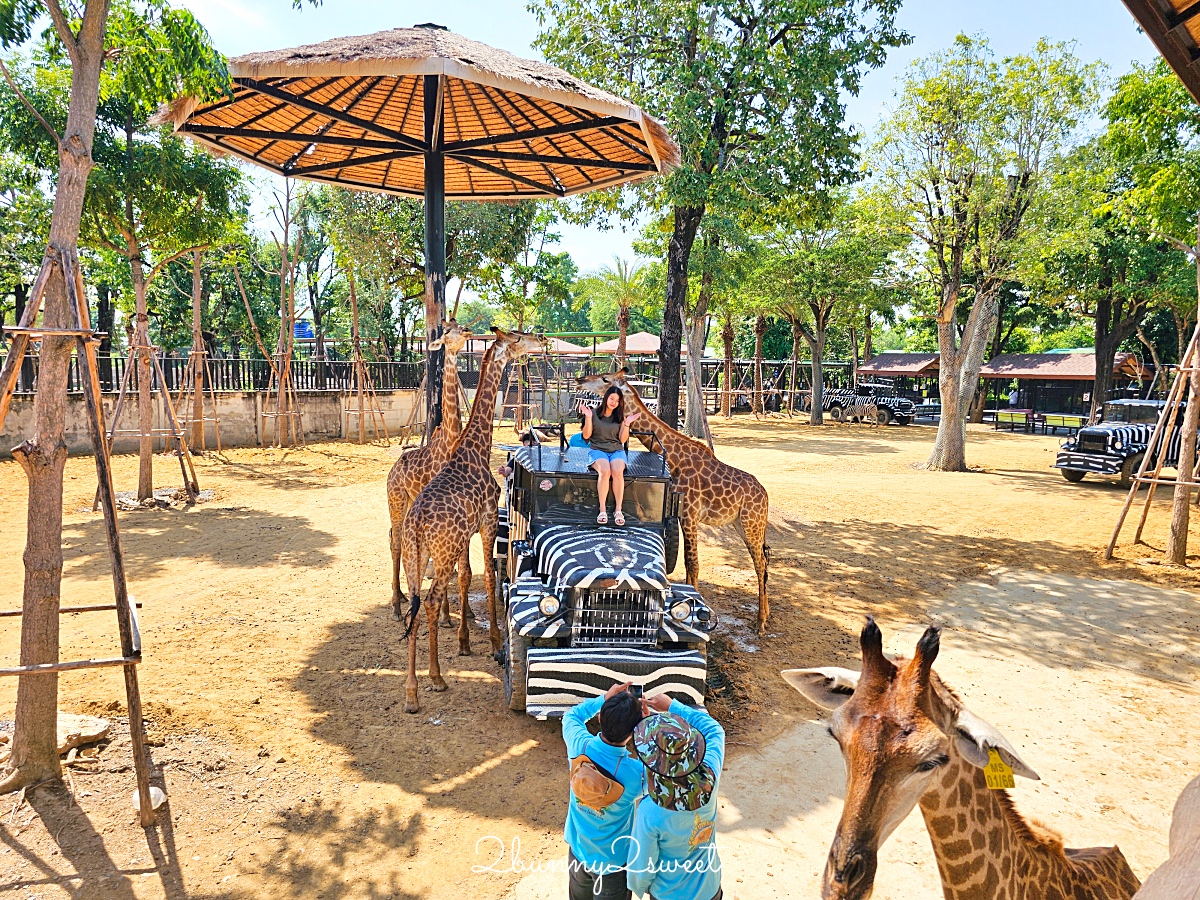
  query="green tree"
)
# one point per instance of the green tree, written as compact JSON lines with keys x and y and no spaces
{"x":824,"y":265}
{"x":1154,"y":134}
{"x":751,"y":92}
{"x":84,"y":39}
{"x":24,"y":223}
{"x":617,"y":291}
{"x":959,"y":162}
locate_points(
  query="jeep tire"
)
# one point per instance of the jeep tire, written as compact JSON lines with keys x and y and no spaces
{"x":670,"y":543}
{"x":836,"y":412}
{"x":883,"y":415}
{"x":1129,"y":469}
{"x":516,"y":655}
{"x":1073,"y":475}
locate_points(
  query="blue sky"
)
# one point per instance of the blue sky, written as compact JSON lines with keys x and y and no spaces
{"x":1102,"y":30}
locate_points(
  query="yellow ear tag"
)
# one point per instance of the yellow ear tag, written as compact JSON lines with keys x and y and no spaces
{"x":998,"y":773}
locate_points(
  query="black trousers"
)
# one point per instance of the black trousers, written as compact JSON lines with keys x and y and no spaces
{"x":588,"y":886}
{"x":720,"y":893}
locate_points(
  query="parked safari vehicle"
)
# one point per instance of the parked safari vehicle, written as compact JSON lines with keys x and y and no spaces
{"x":1117,"y":444}
{"x":891,"y":406}
{"x":587,"y":606}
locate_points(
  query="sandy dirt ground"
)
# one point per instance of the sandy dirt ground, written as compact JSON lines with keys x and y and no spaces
{"x":273,"y":676}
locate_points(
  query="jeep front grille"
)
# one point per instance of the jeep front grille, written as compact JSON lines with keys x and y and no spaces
{"x":1093,"y":443}
{"x":617,"y":618}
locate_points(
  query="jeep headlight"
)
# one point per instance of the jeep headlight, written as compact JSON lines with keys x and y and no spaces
{"x":681,"y":611}
{"x":549,"y":605}
{"x":1117,"y":443}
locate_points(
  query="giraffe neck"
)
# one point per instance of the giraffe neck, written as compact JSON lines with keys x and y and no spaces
{"x":676,"y":446}
{"x":981,"y":843}
{"x":477,"y":437}
{"x":451,"y":420}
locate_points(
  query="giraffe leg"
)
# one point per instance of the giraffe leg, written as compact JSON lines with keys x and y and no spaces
{"x":487,"y":532}
{"x":397,"y":508}
{"x":464,"y":585}
{"x":754,"y":532}
{"x":410,"y":684}
{"x":690,"y":526}
{"x":433,"y":603}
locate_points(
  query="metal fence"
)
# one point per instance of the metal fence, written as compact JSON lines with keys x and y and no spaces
{"x":236,"y":374}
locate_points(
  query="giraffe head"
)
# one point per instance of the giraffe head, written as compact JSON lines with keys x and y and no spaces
{"x":598,"y":384}
{"x":512,"y":345}
{"x":896,"y":725}
{"x":454,"y":337}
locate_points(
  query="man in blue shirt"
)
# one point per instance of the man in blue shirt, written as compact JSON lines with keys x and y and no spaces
{"x":603,"y":793}
{"x":673,"y":854}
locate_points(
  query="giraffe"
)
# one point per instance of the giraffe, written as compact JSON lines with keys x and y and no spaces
{"x":908,"y":740}
{"x":416,"y":467}
{"x":461,"y":499}
{"x":713,"y":492}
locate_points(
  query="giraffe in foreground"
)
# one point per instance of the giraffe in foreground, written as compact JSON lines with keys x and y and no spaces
{"x":462,"y":498}
{"x":713,"y":492}
{"x":416,"y":467}
{"x":908,"y":740}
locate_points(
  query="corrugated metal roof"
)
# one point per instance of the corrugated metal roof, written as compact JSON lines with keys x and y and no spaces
{"x":1054,"y":366}
{"x":895,"y":363}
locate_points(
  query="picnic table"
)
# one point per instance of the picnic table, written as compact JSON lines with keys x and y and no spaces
{"x":1030,"y":422}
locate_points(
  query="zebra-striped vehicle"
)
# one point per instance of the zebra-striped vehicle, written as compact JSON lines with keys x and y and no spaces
{"x":587,"y":606}
{"x":892,"y":408}
{"x":1118,"y":443}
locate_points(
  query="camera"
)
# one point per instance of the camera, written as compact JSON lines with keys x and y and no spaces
{"x":636,"y":691}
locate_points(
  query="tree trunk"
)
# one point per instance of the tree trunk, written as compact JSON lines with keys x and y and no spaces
{"x":868,"y":350}
{"x":727,"y":393}
{"x":760,"y":329}
{"x":696,"y":424}
{"x":622,"y":333}
{"x":797,"y":337}
{"x":43,"y":457}
{"x":104,"y":324}
{"x":679,"y":252}
{"x":197,"y":438}
{"x":853,"y":356}
{"x":958,"y":376}
{"x":1177,"y":544}
{"x":816,"y":346}
{"x":141,"y":338}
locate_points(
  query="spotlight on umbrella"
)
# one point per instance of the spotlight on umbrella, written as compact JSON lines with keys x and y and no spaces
{"x":423,"y":112}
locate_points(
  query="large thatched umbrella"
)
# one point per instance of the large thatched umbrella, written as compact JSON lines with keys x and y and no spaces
{"x":424,"y":112}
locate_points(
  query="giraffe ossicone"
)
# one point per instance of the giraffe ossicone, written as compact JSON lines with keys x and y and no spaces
{"x":908,"y":740}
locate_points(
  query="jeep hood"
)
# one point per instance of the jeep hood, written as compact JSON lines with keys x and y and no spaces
{"x":601,"y":558}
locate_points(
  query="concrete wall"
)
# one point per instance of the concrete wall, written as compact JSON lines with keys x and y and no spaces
{"x":323,"y":413}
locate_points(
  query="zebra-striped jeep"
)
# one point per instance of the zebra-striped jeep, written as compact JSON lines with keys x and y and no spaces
{"x":587,"y":606}
{"x":1117,"y":444}
{"x":889,"y":406}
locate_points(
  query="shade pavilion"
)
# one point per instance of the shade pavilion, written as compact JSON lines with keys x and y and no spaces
{"x":423,"y":112}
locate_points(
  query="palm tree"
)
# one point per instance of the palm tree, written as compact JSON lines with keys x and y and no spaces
{"x":623,"y":285}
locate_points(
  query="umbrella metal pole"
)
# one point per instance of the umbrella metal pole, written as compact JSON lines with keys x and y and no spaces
{"x":435,"y":249}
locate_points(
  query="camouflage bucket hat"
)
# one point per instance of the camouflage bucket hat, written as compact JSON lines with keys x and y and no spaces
{"x":673,"y":753}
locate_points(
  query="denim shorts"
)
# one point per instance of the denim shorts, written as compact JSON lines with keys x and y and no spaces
{"x":615,"y":456}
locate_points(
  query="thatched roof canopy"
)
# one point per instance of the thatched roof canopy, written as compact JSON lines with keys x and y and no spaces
{"x":352,"y":111}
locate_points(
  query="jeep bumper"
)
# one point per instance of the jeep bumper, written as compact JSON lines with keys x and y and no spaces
{"x":561,"y":678}
{"x":1100,"y":463}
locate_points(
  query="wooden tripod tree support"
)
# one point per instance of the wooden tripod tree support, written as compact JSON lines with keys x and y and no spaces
{"x":191,"y":391}
{"x":172,"y":434}
{"x":192,"y":401}
{"x":1156,"y":451}
{"x":127,"y":624}
{"x":361,"y":386}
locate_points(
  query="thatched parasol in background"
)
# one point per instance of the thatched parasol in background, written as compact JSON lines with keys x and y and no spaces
{"x":424,"y":112}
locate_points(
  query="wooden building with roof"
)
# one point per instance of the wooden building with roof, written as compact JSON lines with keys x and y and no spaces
{"x":1058,"y":382}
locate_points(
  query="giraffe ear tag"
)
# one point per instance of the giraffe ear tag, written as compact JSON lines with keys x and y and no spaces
{"x":998,"y":773}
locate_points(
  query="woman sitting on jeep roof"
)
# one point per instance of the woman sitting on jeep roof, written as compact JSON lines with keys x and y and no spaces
{"x":606,"y":430}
